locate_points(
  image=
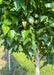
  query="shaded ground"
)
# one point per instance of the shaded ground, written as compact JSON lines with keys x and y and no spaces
{"x":16,"y":68}
{"x":3,"y":60}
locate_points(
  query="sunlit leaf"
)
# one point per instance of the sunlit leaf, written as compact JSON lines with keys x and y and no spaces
{"x":5,"y":29}
{"x":11,"y":34}
{"x":30,"y":20}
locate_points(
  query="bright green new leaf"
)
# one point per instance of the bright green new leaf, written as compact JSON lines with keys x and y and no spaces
{"x":7,"y":22}
{"x":5,"y":29}
{"x":1,"y":1}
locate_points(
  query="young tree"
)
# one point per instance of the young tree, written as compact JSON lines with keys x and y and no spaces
{"x":28,"y":26}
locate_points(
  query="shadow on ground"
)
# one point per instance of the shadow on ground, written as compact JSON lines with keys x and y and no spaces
{"x":3,"y":60}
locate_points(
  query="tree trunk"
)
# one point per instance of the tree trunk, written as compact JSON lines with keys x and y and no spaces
{"x":37,"y":69}
{"x":9,"y":61}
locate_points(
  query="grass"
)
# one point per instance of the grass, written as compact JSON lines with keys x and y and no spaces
{"x":47,"y":69}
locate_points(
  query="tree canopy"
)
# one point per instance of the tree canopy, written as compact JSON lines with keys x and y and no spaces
{"x":27,"y":25}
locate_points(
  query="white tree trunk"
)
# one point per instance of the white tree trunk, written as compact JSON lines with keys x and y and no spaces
{"x":37,"y":69}
{"x":6,"y":52}
{"x":9,"y":61}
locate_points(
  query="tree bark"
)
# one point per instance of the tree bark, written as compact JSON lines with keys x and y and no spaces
{"x":9,"y":61}
{"x":37,"y":68}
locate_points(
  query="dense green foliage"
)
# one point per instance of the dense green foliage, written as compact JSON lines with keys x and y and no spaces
{"x":27,"y":25}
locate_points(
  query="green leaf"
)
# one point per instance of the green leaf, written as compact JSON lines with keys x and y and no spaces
{"x":44,"y":37}
{"x":26,"y":41}
{"x":49,"y":45}
{"x":40,"y":30}
{"x":30,"y":20}
{"x":33,"y":3}
{"x":36,"y":21}
{"x":52,"y":25}
{"x":49,"y":5}
{"x":30,"y":10}
{"x":25,"y":12}
{"x":34,"y":46}
{"x":52,"y":51}
{"x":30,"y":52}
{"x":7,"y":2}
{"x":1,"y":1}
{"x":51,"y":39}
{"x":36,"y":15}
{"x":25,"y":33}
{"x":9,"y":42}
{"x":43,"y":18}
{"x":15,"y":47}
{"x":5,"y":29}
{"x":11,"y":34}
{"x":15,"y":20}
{"x":17,"y":4}
{"x":20,"y":48}
{"x":16,"y":37}
{"x":7,"y":22}
{"x":22,"y":5}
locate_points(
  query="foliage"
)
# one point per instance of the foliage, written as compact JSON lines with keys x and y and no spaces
{"x":28,"y":24}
